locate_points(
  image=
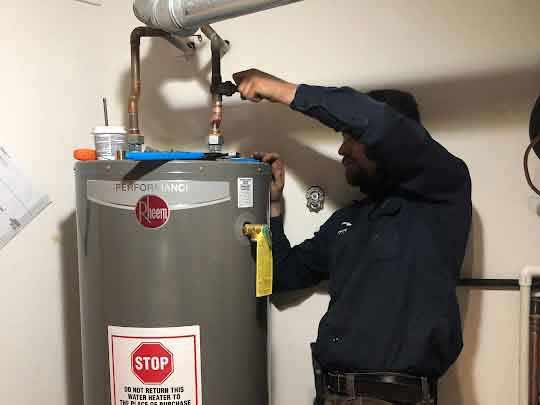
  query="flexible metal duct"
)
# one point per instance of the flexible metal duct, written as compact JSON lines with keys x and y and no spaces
{"x":183,"y":17}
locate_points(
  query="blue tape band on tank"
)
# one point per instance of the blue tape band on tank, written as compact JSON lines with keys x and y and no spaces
{"x":164,"y":155}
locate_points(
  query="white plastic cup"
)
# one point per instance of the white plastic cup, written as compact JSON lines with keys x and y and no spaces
{"x":109,"y":141}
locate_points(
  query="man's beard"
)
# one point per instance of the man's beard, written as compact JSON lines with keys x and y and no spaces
{"x":359,"y":177}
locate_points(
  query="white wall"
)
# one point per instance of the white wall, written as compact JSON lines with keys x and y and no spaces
{"x":50,"y":80}
{"x":473,"y":66}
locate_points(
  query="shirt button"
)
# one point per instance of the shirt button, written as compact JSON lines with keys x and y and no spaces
{"x":336,"y":339}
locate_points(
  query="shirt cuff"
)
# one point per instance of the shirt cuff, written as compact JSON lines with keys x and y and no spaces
{"x":306,"y":97}
{"x":276,"y":225}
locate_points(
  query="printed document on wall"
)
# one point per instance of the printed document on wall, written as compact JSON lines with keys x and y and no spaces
{"x":20,"y":202}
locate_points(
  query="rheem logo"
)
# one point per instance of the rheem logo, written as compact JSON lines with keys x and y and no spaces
{"x":152,"y":211}
{"x":152,"y":363}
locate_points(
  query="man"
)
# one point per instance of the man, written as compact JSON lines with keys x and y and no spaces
{"x":393,"y":324}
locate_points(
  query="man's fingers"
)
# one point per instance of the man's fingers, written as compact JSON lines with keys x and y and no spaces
{"x":242,"y":88}
{"x":279,"y":173}
{"x":259,"y":155}
{"x":243,"y":76}
{"x":238,"y":77}
{"x":246,"y":91}
{"x":268,"y":157}
{"x":251,"y":92}
{"x":272,"y":158}
{"x":249,"y":85}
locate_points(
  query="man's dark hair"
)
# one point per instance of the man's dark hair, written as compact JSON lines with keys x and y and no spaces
{"x":401,"y":101}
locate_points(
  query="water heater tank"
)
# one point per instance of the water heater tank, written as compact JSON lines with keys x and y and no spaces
{"x":169,"y":312}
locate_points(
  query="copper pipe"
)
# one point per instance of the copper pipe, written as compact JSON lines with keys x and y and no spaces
{"x":133,"y":104}
{"x":219,"y":47}
{"x":217,"y":115}
{"x":534,"y":331}
{"x":135,"y":92}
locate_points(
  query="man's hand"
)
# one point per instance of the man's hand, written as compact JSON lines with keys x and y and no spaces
{"x":256,"y":86}
{"x":278,"y":181}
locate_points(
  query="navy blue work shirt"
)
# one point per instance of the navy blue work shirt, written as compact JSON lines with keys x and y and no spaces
{"x":393,"y":260}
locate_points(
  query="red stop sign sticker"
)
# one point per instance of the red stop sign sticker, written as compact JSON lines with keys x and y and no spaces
{"x":152,"y":363}
{"x":152,"y":211}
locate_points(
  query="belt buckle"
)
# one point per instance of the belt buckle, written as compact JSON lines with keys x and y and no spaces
{"x":426,"y":392}
{"x":345,"y":383}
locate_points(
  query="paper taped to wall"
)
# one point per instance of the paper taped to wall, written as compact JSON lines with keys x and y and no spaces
{"x":20,"y":202}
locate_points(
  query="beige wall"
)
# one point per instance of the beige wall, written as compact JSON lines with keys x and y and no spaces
{"x":473,"y":65}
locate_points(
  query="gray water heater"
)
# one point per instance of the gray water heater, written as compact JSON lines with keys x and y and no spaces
{"x":169,"y":312}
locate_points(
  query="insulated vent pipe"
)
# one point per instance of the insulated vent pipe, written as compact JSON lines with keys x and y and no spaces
{"x":184,"y":17}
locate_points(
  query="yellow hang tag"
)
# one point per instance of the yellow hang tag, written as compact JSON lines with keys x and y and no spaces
{"x":261,"y":235}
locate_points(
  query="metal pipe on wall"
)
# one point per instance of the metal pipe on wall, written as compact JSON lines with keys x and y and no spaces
{"x":494,"y":283}
{"x":181,"y":16}
{"x":534,"y":319}
{"x":525,"y":283}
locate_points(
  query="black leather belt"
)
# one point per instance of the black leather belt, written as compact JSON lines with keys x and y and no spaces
{"x":390,"y":387}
